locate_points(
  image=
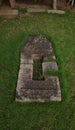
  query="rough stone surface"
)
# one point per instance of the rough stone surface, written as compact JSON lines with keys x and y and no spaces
{"x":49,"y":66}
{"x":9,"y":13}
{"x":45,"y":90}
{"x":35,"y":10}
{"x":25,"y":74}
{"x":29,"y":90}
{"x":56,"y":11}
{"x":37,"y":45}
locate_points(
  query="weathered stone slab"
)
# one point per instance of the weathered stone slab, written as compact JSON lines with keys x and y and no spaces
{"x":26,"y":61}
{"x":37,"y":45}
{"x":47,"y":59}
{"x":49,"y":66}
{"x":56,"y":11}
{"x":33,"y":10}
{"x":46,"y":90}
{"x":9,"y":13}
{"x":25,"y":74}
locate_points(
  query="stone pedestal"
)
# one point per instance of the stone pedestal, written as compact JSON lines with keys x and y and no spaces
{"x":12,"y":3}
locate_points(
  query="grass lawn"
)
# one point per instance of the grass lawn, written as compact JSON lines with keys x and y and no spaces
{"x":60,"y":29}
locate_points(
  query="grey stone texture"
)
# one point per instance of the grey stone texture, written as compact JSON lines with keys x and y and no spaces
{"x":49,"y":66}
{"x":32,"y":10}
{"x":37,"y":45}
{"x":29,"y":90}
{"x":45,"y":90}
{"x":54,"y":11}
{"x":25,"y":74}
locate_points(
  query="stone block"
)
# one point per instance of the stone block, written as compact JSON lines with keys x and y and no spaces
{"x":31,"y":89}
{"x":39,"y":91}
{"x":56,"y":11}
{"x":9,"y":13}
{"x":25,"y":74}
{"x":26,"y":61}
{"x":49,"y":66}
{"x":30,"y":10}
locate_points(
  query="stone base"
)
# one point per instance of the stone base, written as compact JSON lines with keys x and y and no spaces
{"x":32,"y":10}
{"x":56,"y":11}
{"x":39,"y":91}
{"x":9,"y":13}
{"x":49,"y":66}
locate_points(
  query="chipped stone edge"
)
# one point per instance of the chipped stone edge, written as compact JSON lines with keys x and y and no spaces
{"x":31,"y":10}
{"x":52,"y":98}
{"x":56,"y":11}
{"x":20,"y":76}
{"x":29,"y":100}
{"x":49,"y":69}
{"x":26,"y":61}
{"x":58,"y":97}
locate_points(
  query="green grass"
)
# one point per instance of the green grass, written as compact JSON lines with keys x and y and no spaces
{"x":37,"y":70}
{"x":60,"y":29}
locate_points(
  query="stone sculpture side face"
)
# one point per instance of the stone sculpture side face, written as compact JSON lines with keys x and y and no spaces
{"x":48,"y":89}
